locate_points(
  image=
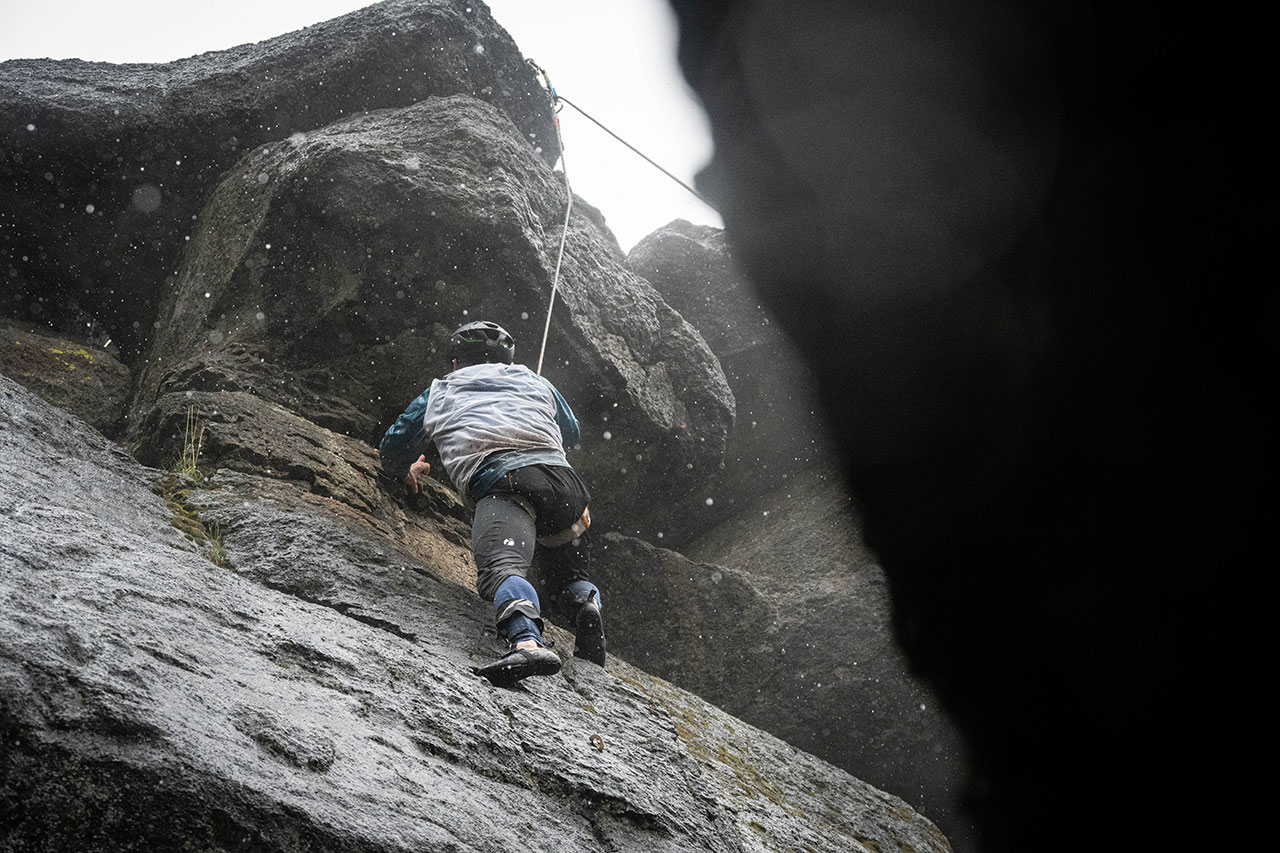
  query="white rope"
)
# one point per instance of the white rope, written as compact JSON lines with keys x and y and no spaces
{"x":564,"y":233}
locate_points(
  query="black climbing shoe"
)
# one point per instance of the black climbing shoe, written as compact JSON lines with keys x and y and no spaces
{"x":589,"y":633}
{"x":518,"y":664}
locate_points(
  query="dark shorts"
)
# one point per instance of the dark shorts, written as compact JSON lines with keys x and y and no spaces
{"x":528,"y":503}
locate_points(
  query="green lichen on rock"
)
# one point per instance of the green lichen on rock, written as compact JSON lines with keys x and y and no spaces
{"x":76,"y":375}
{"x":71,"y":357}
{"x":706,"y":747}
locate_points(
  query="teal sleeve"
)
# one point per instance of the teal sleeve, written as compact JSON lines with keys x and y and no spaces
{"x":406,"y":439}
{"x":570,"y":431}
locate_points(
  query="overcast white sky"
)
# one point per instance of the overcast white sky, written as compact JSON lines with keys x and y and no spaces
{"x":613,"y":58}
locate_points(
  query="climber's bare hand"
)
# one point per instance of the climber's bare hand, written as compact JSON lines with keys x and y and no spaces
{"x":418,"y":469}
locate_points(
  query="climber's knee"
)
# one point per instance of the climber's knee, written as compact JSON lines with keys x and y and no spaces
{"x":570,"y":599}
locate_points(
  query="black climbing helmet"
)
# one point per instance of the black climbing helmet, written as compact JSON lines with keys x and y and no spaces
{"x":480,"y":342}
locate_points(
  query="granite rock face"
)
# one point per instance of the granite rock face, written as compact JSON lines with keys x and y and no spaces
{"x":272,"y":649}
{"x":311,"y":688}
{"x":329,"y":271}
{"x":779,"y":429}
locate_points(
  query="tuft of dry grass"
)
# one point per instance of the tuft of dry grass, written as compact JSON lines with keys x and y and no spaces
{"x":192,"y":440}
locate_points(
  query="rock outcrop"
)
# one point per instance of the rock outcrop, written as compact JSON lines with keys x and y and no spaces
{"x":328,"y":272}
{"x":252,"y":638}
{"x":779,"y":428}
{"x":86,"y":379}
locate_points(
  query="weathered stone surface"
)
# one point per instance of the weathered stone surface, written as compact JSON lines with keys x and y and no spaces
{"x":778,"y":428}
{"x":691,"y":266}
{"x":315,"y":692}
{"x":104,"y":166}
{"x":778,"y":584}
{"x":782,"y":618}
{"x":296,"y":463}
{"x":328,"y":272}
{"x":777,"y":576}
{"x":84,"y":378}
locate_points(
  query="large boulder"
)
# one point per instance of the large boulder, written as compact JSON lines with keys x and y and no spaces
{"x":104,"y":167}
{"x":328,"y":270}
{"x":307,"y":686}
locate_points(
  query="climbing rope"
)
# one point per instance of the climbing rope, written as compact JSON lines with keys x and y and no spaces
{"x":568,"y":208}
{"x":556,"y":99}
{"x":633,"y":148}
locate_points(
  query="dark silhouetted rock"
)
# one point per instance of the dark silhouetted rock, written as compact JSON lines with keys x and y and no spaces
{"x":1029,"y":226}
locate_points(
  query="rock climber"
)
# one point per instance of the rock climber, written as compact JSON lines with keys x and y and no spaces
{"x":502,"y":431}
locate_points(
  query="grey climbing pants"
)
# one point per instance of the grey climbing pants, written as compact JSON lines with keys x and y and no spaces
{"x":531,"y":502}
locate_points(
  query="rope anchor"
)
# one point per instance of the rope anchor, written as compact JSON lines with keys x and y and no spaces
{"x":556,"y":99}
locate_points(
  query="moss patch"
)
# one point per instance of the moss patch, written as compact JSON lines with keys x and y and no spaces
{"x":185,"y":516}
